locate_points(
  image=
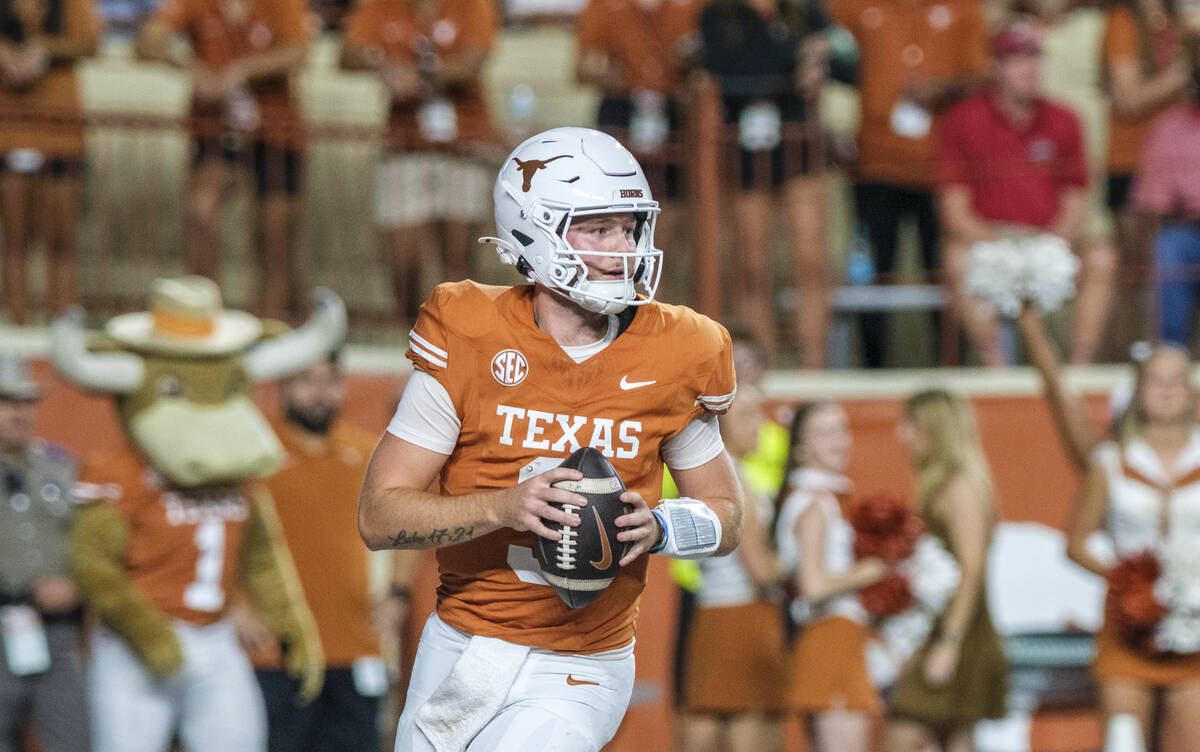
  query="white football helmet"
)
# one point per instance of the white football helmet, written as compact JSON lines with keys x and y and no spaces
{"x":559,"y":175}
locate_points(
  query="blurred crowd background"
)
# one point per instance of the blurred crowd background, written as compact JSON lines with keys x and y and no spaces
{"x":802,"y":150}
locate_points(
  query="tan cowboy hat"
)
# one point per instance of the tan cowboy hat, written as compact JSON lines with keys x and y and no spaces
{"x":16,"y":385}
{"x":186,"y":318}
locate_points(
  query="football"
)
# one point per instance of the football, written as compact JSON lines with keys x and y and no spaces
{"x":585,"y":562}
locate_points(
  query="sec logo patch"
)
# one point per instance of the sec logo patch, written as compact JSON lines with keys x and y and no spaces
{"x":509,"y":367}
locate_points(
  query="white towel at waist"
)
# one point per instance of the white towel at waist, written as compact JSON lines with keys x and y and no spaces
{"x":472,"y":693}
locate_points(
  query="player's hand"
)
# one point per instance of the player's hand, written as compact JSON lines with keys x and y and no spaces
{"x":639,"y":527}
{"x":525,"y":505}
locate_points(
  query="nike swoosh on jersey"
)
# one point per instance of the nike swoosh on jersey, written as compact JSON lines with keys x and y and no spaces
{"x":605,"y":552}
{"x":626,"y":384}
{"x":579,"y":682}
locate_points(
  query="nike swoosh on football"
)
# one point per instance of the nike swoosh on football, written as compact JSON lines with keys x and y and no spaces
{"x":626,"y":384}
{"x":579,"y":682}
{"x":605,"y":552}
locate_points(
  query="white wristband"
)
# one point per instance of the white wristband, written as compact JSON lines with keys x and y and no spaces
{"x":690,"y":529}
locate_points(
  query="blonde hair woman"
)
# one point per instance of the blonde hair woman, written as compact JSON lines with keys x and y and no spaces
{"x":829,"y":680}
{"x":960,"y":675}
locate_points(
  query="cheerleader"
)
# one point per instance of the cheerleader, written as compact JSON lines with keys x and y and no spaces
{"x":1127,"y":479}
{"x":829,"y":683}
{"x":1143,"y":489}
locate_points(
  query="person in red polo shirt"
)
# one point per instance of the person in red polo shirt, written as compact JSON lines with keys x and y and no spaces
{"x":1010,"y":162}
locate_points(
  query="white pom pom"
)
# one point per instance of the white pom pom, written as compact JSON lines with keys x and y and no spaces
{"x":1005,"y":273}
{"x":994,"y":274}
{"x":1050,"y":272}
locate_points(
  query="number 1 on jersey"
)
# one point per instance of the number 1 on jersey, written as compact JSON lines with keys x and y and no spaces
{"x":205,"y":592}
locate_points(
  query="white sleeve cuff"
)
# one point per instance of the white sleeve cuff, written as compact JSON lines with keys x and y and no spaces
{"x":426,"y":415}
{"x":698,"y":442}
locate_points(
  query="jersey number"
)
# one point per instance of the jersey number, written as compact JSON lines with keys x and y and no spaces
{"x":205,"y":592}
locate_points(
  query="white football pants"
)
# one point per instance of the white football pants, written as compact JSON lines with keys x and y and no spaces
{"x":542,"y":711}
{"x":213,"y":701}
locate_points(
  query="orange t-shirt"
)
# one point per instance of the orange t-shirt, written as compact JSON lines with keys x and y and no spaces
{"x":521,"y":401}
{"x":183,"y":546}
{"x":643,"y":43}
{"x":897,"y":42}
{"x":316,"y":498}
{"x":1127,"y":134}
{"x":216,"y":42}
{"x":394,"y":28}
{"x":47,"y":114}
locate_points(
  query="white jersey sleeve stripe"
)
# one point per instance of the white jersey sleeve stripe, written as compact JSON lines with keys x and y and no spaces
{"x":426,"y":354}
{"x":697,"y":443}
{"x":414,"y":337}
{"x":715,"y":403}
{"x":426,"y":415}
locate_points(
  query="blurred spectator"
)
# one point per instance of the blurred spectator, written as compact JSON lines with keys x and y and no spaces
{"x":830,"y":684}
{"x":41,"y":678}
{"x":41,"y":142}
{"x":769,"y":61}
{"x":1071,"y":34}
{"x":732,"y":699}
{"x":636,"y":52}
{"x":244,"y":53}
{"x":915,"y":58}
{"x":316,"y":495}
{"x":432,"y":187}
{"x":1168,"y":188}
{"x":1012,"y":162}
{"x":1145,"y":75}
{"x":960,"y":675}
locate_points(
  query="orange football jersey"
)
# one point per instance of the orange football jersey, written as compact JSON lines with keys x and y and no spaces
{"x":182,"y":550}
{"x":524,"y":404}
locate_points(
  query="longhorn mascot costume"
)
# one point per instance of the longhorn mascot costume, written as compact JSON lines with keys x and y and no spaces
{"x":176,"y":526}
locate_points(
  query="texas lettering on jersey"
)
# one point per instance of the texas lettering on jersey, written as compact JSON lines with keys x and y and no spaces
{"x":525,"y":405}
{"x":557,"y":432}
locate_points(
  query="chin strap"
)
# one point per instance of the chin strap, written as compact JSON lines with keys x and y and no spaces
{"x":690,"y":530}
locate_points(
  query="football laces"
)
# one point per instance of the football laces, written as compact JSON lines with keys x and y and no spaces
{"x":564,"y":551}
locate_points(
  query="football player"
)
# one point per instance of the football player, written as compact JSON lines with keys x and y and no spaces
{"x":508,"y":382}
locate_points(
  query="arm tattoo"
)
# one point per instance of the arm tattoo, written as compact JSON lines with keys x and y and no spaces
{"x":433,"y":539}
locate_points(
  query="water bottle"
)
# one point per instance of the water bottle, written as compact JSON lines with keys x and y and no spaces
{"x":860,"y":266}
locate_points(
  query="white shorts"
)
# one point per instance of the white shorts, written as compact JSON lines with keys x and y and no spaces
{"x":213,"y":702}
{"x":411,"y":189}
{"x":558,"y":702}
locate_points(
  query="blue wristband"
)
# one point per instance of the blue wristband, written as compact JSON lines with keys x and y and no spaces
{"x":662,"y":526}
